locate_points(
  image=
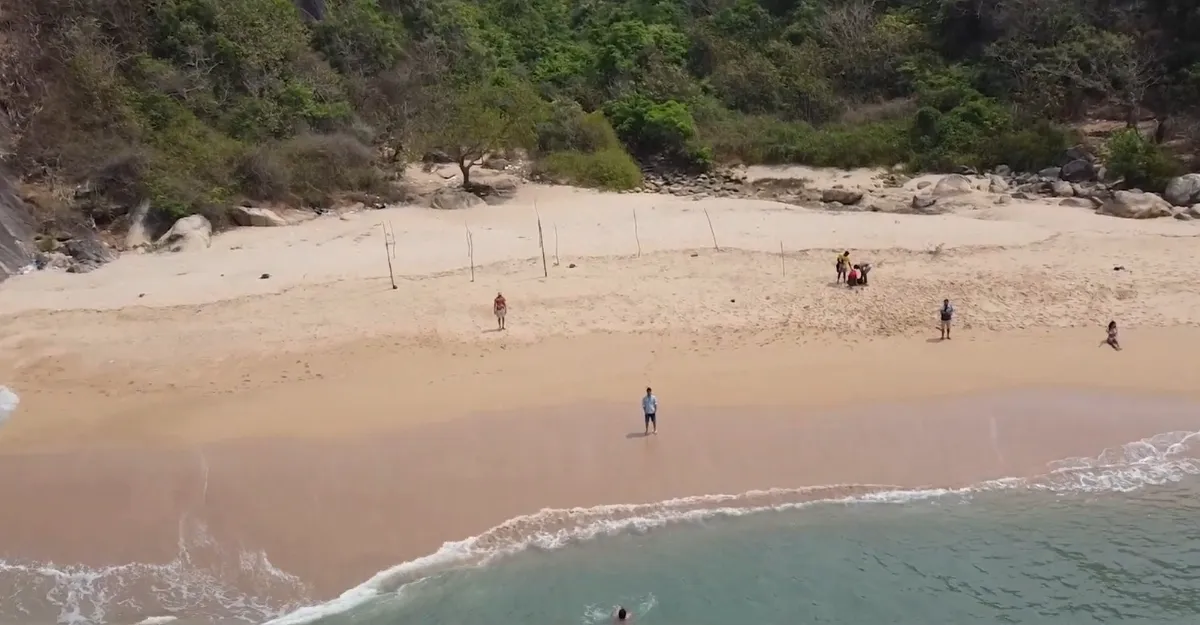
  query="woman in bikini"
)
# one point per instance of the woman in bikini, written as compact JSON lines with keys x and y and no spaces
{"x":500,"y":308}
{"x":1111,"y":341}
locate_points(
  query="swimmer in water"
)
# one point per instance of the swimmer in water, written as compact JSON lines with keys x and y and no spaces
{"x":623,"y":615}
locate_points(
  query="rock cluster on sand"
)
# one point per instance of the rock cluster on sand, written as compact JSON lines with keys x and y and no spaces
{"x":1079,"y":182}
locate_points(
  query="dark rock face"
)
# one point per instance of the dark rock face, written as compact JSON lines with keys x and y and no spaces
{"x":311,"y":9}
{"x":16,"y":231}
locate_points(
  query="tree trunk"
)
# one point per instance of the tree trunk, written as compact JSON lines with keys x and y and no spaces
{"x":464,"y":165}
{"x":1160,"y":132}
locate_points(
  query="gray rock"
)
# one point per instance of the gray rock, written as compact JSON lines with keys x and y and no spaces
{"x":923,"y":201}
{"x":1078,"y":202}
{"x":496,"y":164}
{"x":996,"y":184}
{"x":1002,"y":200}
{"x":1078,"y":170}
{"x":1183,"y":216}
{"x":843,"y":196}
{"x":952,"y":184}
{"x":924,"y":184}
{"x":89,"y":250}
{"x":190,"y":234}
{"x":1050,"y":173}
{"x":1061,"y":188}
{"x":1136,"y":205}
{"x":451,"y":198}
{"x":16,"y":231}
{"x":256,"y":217}
{"x":1184,"y":190}
{"x":1003,"y":171}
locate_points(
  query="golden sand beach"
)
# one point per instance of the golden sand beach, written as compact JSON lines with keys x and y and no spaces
{"x":336,"y":426}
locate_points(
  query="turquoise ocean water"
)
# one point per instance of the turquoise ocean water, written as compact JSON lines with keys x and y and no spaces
{"x":1116,"y":541}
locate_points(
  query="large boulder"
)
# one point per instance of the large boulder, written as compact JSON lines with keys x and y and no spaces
{"x":1184,"y":190}
{"x":1078,"y":170}
{"x":450,"y":198}
{"x":952,"y":184}
{"x":1135,"y":205}
{"x":1061,"y":188}
{"x":190,"y":234}
{"x":842,"y":196}
{"x":16,"y":231}
{"x":256,"y":217}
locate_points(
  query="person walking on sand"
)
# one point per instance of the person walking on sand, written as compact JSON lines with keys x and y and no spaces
{"x":1111,"y":341}
{"x":500,"y":308}
{"x":947,"y":315}
{"x":650,"y":409}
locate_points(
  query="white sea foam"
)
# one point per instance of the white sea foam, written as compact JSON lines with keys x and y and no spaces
{"x":8,"y":403}
{"x":1157,"y":460}
{"x":196,"y":582}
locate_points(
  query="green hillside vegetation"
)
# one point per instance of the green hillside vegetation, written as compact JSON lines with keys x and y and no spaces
{"x":195,"y":104}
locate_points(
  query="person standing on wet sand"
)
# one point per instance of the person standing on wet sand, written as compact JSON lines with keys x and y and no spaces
{"x":500,"y":308}
{"x":650,"y":409}
{"x":947,"y":315}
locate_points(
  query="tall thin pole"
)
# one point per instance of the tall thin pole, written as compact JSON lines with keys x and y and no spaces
{"x":471,"y":252}
{"x":782,"y":259}
{"x":541,"y":241}
{"x":712,"y":231}
{"x":636,"y":237}
{"x":555,"y":244}
{"x":388,"y":244}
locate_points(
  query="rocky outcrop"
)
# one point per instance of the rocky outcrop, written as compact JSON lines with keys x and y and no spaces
{"x":248,"y":217}
{"x":16,"y":231}
{"x":190,"y":234}
{"x":451,"y":198}
{"x":952,"y":184}
{"x":846,"y":197}
{"x":1184,"y":190}
{"x":1135,"y":205}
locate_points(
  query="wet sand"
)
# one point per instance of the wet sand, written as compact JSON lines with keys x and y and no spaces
{"x":333,"y":512}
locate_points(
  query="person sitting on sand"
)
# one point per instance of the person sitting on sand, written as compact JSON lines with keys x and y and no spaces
{"x":623,"y":615}
{"x":842,"y":264}
{"x":852,"y":277}
{"x":1111,"y":341}
{"x":500,"y":308}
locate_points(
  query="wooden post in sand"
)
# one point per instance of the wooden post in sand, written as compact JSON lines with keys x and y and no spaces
{"x":712,"y":231}
{"x":636,"y":237}
{"x":471,"y":252}
{"x":782,"y":260}
{"x":541,"y":242}
{"x":389,"y":246}
{"x":555,"y":244}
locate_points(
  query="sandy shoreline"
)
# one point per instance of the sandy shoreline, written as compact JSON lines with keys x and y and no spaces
{"x":334,"y":511}
{"x":339,"y":426}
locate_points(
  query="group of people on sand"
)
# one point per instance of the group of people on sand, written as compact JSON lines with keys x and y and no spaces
{"x":852,"y":274}
{"x":856,"y":275}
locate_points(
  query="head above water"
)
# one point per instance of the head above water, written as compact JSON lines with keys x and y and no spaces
{"x":621,"y":613}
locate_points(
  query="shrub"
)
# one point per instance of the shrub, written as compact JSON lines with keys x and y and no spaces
{"x":568,"y":128}
{"x":611,"y":169}
{"x":1139,"y":161}
{"x":652,"y":128}
{"x":310,"y":168}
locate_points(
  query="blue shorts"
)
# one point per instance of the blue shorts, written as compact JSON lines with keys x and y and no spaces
{"x":650,"y":418}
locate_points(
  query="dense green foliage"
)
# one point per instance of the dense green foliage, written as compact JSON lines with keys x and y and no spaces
{"x":195,"y":103}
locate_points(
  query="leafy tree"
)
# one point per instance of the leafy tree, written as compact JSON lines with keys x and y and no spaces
{"x":470,"y":122}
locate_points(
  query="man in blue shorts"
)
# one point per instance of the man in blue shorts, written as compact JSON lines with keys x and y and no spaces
{"x":650,"y":409}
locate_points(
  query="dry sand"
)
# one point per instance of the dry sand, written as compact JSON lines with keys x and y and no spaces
{"x":322,"y":394}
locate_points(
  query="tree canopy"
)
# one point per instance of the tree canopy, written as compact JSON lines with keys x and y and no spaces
{"x":193,"y":103}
